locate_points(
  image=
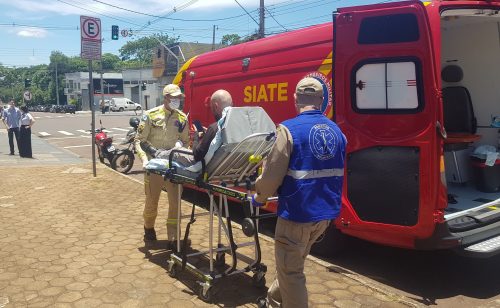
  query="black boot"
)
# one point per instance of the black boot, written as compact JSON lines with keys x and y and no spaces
{"x":149,"y":234}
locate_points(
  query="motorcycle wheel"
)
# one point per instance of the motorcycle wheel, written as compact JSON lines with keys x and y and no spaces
{"x":123,"y":162}
{"x":99,"y":153}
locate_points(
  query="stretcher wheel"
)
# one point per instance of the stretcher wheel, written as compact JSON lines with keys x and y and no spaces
{"x":259,"y":280}
{"x":261,"y":302}
{"x":205,"y":296}
{"x":248,"y":227}
{"x":220,"y":259}
{"x":174,"y":271}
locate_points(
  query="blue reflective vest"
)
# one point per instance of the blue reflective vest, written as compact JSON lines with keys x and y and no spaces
{"x":312,"y":188}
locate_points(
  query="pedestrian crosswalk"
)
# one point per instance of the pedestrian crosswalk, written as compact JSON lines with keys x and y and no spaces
{"x":81,"y":132}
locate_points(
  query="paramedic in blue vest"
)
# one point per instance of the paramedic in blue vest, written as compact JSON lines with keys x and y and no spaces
{"x":306,"y":169}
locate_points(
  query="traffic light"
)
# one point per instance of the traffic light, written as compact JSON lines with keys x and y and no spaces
{"x":114,"y":32}
{"x":143,"y":86}
{"x":27,"y":83}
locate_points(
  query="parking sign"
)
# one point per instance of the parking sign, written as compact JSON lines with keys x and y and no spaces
{"x":90,"y":38}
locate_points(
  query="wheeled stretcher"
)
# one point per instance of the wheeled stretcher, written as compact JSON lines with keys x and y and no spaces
{"x":247,"y":137}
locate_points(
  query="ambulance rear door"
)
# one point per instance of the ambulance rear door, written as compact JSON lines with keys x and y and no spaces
{"x":385,"y":99}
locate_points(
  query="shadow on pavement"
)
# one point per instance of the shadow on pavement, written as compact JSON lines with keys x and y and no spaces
{"x":230,"y":291}
{"x":428,"y":276}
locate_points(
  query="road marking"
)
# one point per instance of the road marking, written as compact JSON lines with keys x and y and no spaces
{"x":66,"y":133}
{"x":106,"y":131}
{"x":78,"y":146}
{"x":60,"y":116}
{"x":44,"y":134}
{"x":122,"y":129}
{"x":74,"y":137}
{"x":83,"y":131}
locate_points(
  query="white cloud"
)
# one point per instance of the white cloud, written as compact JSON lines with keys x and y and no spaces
{"x":32,"y":32}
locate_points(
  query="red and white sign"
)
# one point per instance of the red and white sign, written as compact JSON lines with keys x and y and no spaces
{"x":91,"y":38}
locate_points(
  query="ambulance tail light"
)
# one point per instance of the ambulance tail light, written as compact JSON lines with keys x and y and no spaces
{"x":438,"y":216}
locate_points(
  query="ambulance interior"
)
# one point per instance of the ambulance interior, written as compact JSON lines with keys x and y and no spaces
{"x":470,"y":63}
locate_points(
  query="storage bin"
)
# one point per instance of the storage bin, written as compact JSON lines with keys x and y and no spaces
{"x":486,"y":178}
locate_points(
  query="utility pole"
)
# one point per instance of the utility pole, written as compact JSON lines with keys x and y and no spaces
{"x":102,"y":88}
{"x":261,"y":19}
{"x":213,"y":38}
{"x":57,"y":87}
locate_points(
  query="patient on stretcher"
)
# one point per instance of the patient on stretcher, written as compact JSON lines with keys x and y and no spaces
{"x":235,"y":124}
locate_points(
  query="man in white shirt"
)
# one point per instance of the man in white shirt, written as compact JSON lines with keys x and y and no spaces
{"x":11,"y":119}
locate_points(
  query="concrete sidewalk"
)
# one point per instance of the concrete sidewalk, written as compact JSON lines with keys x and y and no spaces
{"x":43,"y":153}
{"x":71,"y":240}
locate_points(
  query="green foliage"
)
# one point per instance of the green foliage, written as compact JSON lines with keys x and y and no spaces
{"x":134,"y":54}
{"x":72,"y":101}
{"x":141,"y":49}
{"x":231,"y":39}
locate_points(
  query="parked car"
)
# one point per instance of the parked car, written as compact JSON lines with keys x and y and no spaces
{"x":69,"y":109}
{"x":122,"y":104}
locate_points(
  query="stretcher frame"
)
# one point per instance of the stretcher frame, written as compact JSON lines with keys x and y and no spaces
{"x":235,"y":170}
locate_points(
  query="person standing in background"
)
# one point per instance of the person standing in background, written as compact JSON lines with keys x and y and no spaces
{"x":11,"y":119}
{"x":27,"y":121}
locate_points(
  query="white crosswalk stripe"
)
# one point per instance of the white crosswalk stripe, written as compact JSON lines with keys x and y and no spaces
{"x":83,"y":131}
{"x":44,"y":134}
{"x":65,"y":133}
{"x":121,"y":129}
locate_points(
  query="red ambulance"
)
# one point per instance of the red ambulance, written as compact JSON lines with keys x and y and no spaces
{"x":414,"y":86}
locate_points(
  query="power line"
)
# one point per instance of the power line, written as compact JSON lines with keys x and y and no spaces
{"x":169,"y":18}
{"x":247,"y":12}
{"x":183,"y":6}
{"x":275,"y":19}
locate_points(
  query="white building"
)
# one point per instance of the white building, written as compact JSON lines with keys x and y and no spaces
{"x":77,"y":87}
{"x":141,"y":87}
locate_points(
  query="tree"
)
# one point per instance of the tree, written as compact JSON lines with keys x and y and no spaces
{"x":110,"y":62}
{"x":142,"y":48}
{"x":230,"y":39}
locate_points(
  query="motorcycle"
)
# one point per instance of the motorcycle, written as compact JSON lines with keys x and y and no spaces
{"x":124,"y":158}
{"x":104,"y":144}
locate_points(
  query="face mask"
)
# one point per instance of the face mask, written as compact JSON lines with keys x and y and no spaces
{"x":175,"y":103}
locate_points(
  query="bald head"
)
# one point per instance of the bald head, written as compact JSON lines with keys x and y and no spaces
{"x":220,"y":99}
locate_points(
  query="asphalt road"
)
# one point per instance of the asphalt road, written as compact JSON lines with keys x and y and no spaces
{"x":439,"y":278}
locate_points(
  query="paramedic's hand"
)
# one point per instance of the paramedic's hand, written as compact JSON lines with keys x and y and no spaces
{"x":255,"y":203}
{"x":144,"y":163}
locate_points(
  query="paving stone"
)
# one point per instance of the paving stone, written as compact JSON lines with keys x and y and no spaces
{"x":86,"y":252}
{"x":69,"y":297}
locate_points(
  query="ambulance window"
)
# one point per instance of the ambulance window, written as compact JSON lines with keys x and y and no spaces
{"x":386,"y":87}
{"x":387,"y":29}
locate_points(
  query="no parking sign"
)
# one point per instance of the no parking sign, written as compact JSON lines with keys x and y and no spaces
{"x":91,"y":38}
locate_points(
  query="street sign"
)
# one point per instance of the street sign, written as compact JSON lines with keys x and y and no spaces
{"x":124,"y":33}
{"x":90,"y":38}
{"x":27,"y":95}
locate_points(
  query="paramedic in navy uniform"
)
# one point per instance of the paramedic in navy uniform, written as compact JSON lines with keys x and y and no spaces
{"x":306,"y":168}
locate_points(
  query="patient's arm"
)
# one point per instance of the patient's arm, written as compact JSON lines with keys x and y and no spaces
{"x":200,"y":148}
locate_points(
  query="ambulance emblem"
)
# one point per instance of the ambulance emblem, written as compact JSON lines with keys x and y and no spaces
{"x":322,"y":141}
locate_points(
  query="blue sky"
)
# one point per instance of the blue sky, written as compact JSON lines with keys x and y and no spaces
{"x":31,"y":29}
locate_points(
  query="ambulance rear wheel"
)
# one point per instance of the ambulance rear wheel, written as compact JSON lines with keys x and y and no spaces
{"x":331,"y":243}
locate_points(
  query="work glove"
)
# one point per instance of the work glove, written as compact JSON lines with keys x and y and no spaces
{"x":178,"y":144}
{"x":255,"y":203}
{"x":144,"y":163}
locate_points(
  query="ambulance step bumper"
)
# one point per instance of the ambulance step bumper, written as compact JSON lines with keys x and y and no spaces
{"x":485,"y":248}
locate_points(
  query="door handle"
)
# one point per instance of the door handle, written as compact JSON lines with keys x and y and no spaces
{"x":441,"y":130}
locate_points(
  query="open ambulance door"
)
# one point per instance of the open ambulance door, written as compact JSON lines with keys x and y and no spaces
{"x":385,"y":99}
